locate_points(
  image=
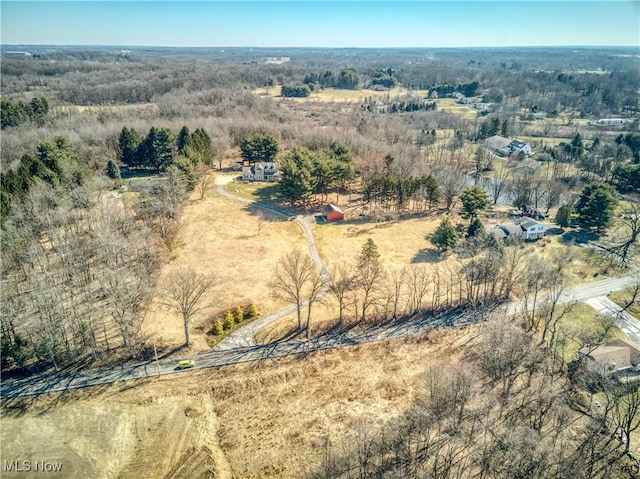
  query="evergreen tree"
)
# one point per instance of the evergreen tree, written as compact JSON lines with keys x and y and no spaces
{"x":252,"y":311}
{"x":596,"y":205}
{"x":431,"y":190}
{"x":369,"y":254}
{"x":348,"y":80}
{"x":296,"y":182}
{"x":128,"y":145}
{"x":218,"y":328}
{"x":474,"y":200}
{"x":186,"y":172}
{"x":156,"y":151}
{"x":238,"y":314}
{"x":228,"y":320}
{"x":476,"y":228}
{"x":113,"y":171}
{"x":199,"y":148}
{"x":259,"y":148}
{"x":563,"y":216}
{"x":182,"y":139}
{"x":445,"y":236}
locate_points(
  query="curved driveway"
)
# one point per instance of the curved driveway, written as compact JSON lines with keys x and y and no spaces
{"x":244,"y":337}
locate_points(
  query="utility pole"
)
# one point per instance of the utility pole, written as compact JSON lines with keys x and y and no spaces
{"x":155,"y":352}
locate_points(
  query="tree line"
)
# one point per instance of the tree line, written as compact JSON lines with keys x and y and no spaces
{"x":15,"y":114}
{"x":54,"y":163}
{"x":78,"y":267}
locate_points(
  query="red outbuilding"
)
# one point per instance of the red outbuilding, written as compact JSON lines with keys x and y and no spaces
{"x":332,"y":213}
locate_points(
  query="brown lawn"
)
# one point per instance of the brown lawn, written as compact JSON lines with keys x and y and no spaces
{"x":220,"y":237}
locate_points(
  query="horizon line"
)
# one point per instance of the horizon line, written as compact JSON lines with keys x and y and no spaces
{"x":94,"y":45}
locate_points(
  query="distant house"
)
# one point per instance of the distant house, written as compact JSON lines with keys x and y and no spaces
{"x":522,"y":229}
{"x":502,"y":146}
{"x":610,"y":121}
{"x":260,"y":171}
{"x":519,"y":147}
{"x":481,"y":105}
{"x":332,"y":213}
{"x":618,"y":355}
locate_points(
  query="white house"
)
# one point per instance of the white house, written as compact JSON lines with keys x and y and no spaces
{"x":523,"y":229}
{"x":531,"y":229}
{"x":502,"y":146}
{"x":519,"y":147}
{"x":260,"y":172}
{"x":610,"y":121}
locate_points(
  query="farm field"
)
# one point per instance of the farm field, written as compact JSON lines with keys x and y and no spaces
{"x":220,"y":237}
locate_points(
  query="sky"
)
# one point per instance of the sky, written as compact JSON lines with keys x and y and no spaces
{"x":361,"y":24}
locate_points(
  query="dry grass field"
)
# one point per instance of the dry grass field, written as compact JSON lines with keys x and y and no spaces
{"x":220,"y":237}
{"x":262,"y":420}
{"x":333,"y":95}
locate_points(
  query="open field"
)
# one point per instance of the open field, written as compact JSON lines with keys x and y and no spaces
{"x":259,"y":420}
{"x":334,"y":95}
{"x":220,"y":237}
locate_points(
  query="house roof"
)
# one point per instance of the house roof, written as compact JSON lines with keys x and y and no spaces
{"x":517,"y":144}
{"x":634,"y":349}
{"x":497,"y":233}
{"x":329,"y":208}
{"x":512,"y":229}
{"x":613,"y":357}
{"x":265,"y":165}
{"x":497,"y":142}
{"x":528,"y":222}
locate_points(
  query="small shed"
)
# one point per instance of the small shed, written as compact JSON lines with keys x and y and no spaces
{"x":332,"y":213}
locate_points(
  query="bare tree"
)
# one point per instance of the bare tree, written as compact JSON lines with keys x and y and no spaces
{"x":295,"y":280}
{"x":419,"y":281}
{"x":630,"y":222}
{"x":261,"y":220}
{"x":498,"y":183}
{"x":622,"y":407}
{"x":203,"y":178}
{"x":343,"y":280}
{"x":184,"y":291}
{"x":452,"y":181}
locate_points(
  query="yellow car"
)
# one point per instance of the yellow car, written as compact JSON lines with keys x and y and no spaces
{"x":186,"y":363}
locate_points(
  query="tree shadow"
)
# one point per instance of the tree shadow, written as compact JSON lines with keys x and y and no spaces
{"x":579,"y":237}
{"x":426,"y":255}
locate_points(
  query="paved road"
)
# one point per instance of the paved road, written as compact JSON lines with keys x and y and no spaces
{"x":629,"y":324}
{"x":216,"y":358}
{"x":586,"y":291}
{"x":244,"y":337}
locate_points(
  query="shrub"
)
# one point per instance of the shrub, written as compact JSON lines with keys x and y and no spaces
{"x":228,"y":320}
{"x":217,"y":328}
{"x":238,"y":314}
{"x":251,"y":311}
